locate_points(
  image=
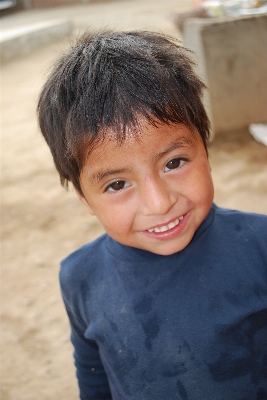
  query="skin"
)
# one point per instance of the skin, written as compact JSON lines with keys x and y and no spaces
{"x":149,"y":182}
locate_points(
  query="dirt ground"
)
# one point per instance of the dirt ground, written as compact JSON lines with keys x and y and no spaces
{"x":42,"y":223}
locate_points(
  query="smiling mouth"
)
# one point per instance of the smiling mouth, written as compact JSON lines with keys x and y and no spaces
{"x":165,"y":228}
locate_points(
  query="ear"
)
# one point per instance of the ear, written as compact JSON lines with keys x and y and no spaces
{"x":208,"y":159}
{"x":209,"y":165}
{"x":84,"y":202}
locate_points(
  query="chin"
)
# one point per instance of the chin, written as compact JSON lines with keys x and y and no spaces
{"x":168,"y":250}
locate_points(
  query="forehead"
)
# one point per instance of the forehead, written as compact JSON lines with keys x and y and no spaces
{"x":148,"y":139}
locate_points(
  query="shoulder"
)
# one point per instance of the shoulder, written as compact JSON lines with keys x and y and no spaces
{"x":232,"y":213}
{"x":241,"y":229}
{"x":241,"y":220}
{"x":83,"y":262}
{"x":233,"y":251}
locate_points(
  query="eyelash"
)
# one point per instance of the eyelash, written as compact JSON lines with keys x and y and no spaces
{"x":107,"y":189}
{"x":179,"y":159}
{"x":126,"y":184}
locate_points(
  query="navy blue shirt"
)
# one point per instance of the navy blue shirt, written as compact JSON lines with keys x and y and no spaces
{"x":189,"y":326}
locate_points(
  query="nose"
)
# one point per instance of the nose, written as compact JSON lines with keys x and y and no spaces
{"x":157,"y":197}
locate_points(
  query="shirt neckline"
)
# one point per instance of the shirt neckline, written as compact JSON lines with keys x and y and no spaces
{"x":132,"y":254}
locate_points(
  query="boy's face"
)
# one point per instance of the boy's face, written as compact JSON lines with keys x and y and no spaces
{"x":150,"y":192}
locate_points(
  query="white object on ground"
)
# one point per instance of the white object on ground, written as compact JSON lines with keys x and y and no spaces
{"x":259,"y":132}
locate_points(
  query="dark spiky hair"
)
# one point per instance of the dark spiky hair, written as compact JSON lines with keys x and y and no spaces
{"x":107,"y":81}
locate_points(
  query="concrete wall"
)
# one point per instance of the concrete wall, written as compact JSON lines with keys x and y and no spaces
{"x":52,"y":3}
{"x":232,"y":61}
{"x":27,"y":4}
{"x":21,"y":41}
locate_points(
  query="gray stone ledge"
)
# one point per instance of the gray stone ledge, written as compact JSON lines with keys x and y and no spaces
{"x":22,"y":40}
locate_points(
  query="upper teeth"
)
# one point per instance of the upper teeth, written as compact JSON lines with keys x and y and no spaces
{"x":165,"y":228}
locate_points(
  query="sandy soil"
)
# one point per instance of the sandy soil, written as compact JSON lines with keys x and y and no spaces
{"x":42,"y":223}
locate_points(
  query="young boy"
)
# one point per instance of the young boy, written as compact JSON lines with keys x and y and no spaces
{"x":171,"y":303}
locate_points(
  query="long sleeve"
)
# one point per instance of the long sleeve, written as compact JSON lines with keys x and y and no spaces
{"x":92,"y":378}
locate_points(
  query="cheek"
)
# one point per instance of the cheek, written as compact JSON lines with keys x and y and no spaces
{"x":116,"y":218}
{"x":200,"y":185}
{"x":207,"y":190}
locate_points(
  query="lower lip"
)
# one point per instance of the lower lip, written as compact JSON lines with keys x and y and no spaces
{"x":171,"y":233}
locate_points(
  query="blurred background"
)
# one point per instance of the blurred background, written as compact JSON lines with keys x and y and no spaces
{"x":41,"y":222}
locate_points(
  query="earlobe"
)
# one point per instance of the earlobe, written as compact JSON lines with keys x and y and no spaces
{"x":84,"y":202}
{"x":209,"y":163}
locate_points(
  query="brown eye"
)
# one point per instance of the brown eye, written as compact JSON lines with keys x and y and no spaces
{"x":174,"y":164}
{"x":117,"y":185}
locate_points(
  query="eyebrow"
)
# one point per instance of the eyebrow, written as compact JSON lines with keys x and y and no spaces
{"x":98,"y":176}
{"x":177,"y":144}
